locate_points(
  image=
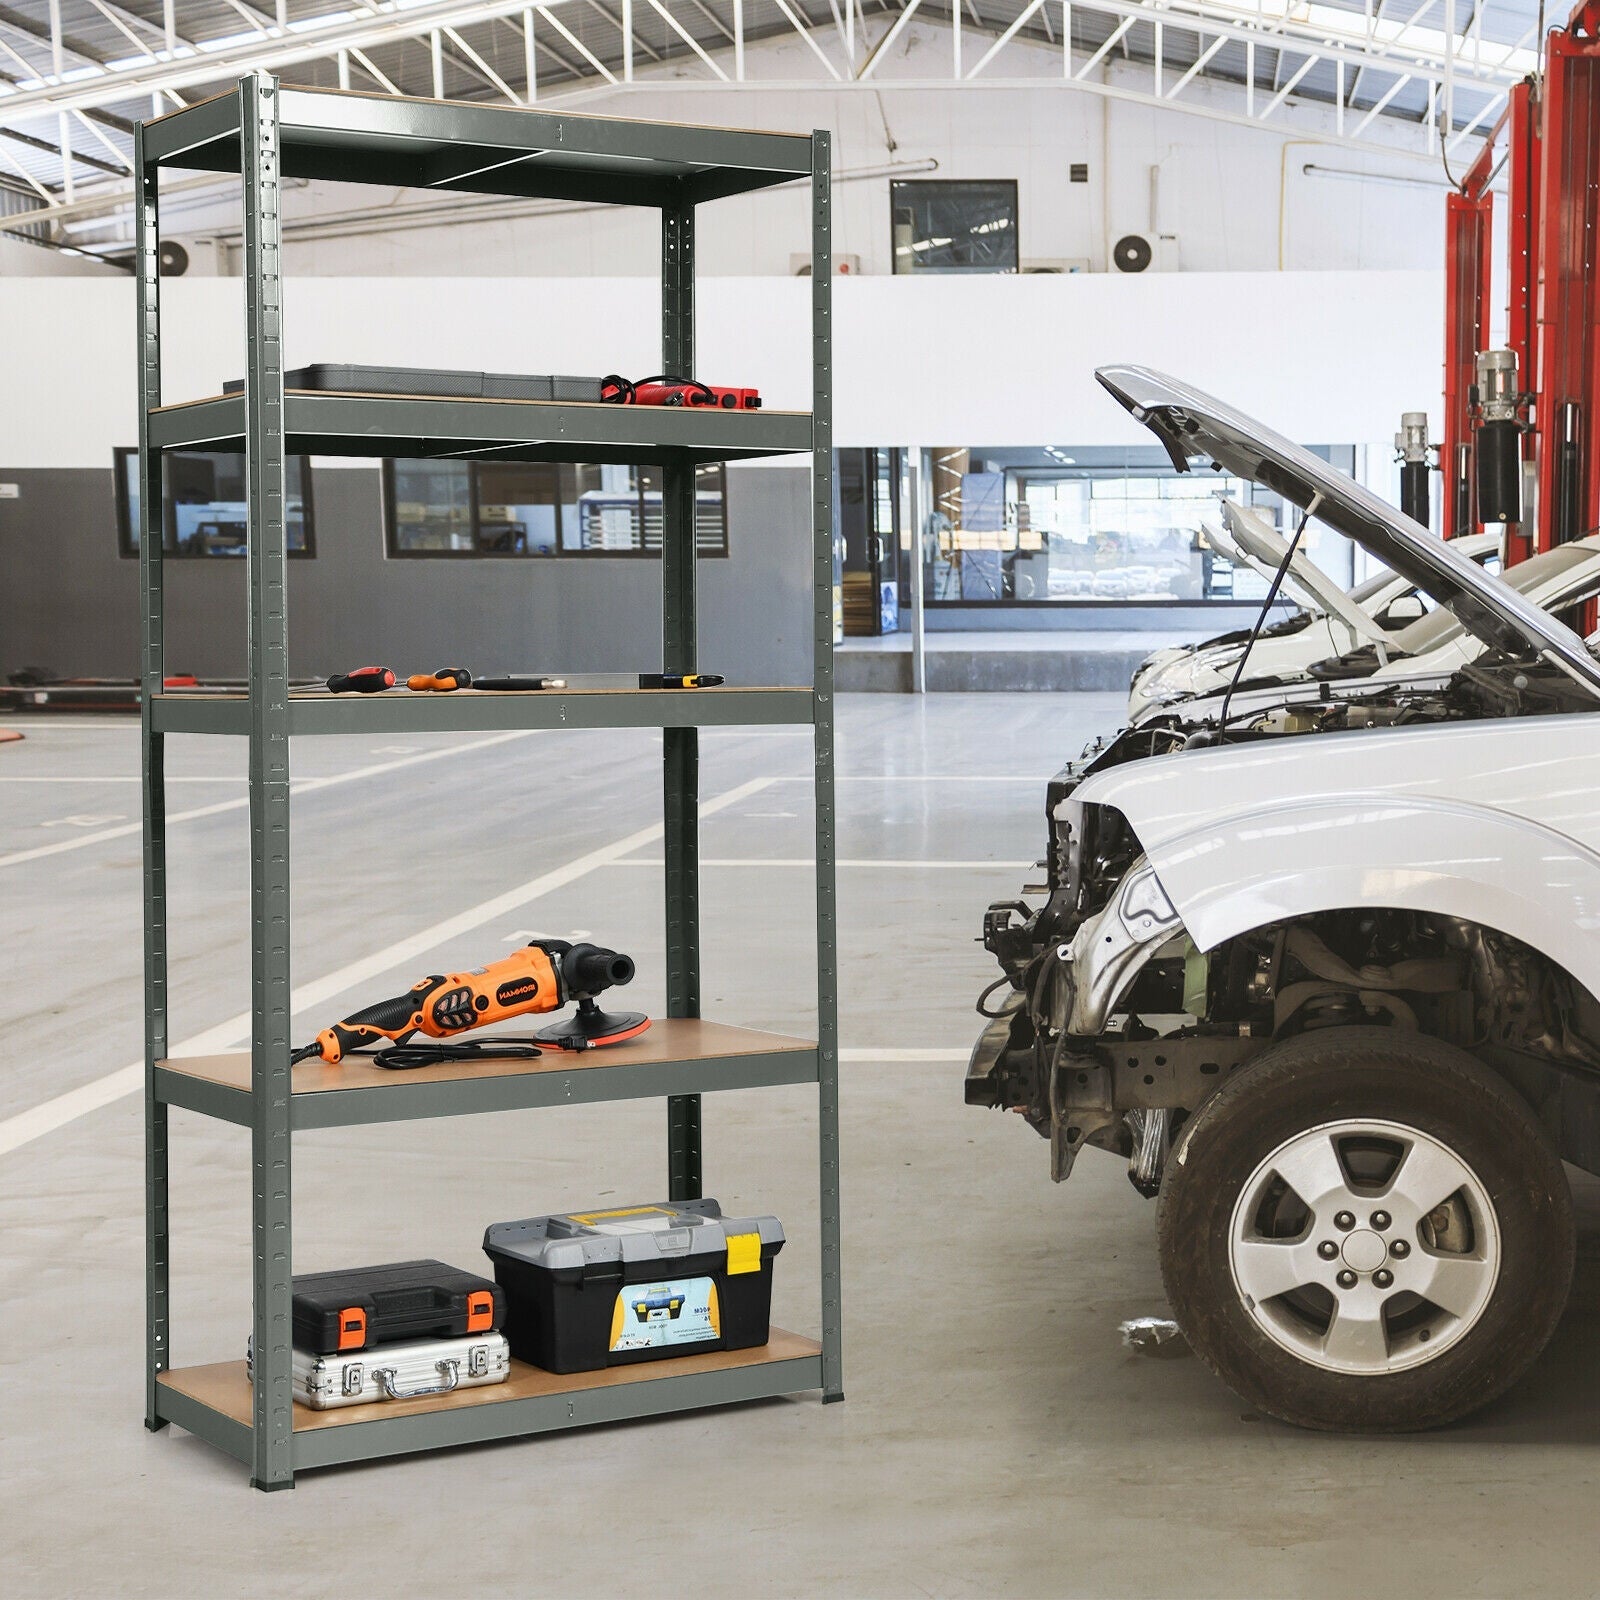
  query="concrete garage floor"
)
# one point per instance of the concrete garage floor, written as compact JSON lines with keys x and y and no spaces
{"x":997,"y":1438}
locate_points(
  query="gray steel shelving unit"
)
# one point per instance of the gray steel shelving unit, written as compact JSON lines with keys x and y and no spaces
{"x":267,"y":133}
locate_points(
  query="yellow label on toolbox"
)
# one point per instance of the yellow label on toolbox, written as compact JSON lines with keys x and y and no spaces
{"x":589,"y":1218}
{"x":744,"y":1253}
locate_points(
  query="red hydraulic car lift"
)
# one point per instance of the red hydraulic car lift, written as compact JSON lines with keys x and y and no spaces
{"x":1551,"y":135}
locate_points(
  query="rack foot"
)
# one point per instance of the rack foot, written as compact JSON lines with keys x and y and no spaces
{"x":269,"y":1488}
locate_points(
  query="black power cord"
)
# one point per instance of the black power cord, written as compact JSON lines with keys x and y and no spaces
{"x":407,"y":1057}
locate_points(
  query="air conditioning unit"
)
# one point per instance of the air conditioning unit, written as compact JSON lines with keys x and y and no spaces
{"x":843,"y":266}
{"x":1145,"y":252}
{"x":1060,"y":264}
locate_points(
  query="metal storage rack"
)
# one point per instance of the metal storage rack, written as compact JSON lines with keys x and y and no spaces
{"x":267,"y":133}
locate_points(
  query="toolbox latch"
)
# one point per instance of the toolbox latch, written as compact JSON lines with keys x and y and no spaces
{"x":353,"y":1378}
{"x":744,"y":1253}
{"x":478,"y":1361}
{"x":352,"y":1328}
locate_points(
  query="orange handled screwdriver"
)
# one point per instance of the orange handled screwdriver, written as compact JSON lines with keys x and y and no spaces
{"x":440,"y":682}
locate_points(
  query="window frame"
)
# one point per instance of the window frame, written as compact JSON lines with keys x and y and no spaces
{"x":391,"y":522}
{"x":957,"y":183}
{"x":127,"y":550}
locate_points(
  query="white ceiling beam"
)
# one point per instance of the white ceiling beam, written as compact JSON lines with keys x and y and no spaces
{"x":687,"y":37}
{"x":368,"y":66}
{"x":886,"y":43}
{"x":1288,"y":88}
{"x":810,"y":37}
{"x":268,"y":52}
{"x":625,"y":29}
{"x":454,"y":36}
{"x":1110,"y":44}
{"x":717,"y":22}
{"x":576,"y":43}
{"x":121,"y":155}
{"x":1022,"y":19}
{"x":1196,"y":67}
{"x":32,"y":182}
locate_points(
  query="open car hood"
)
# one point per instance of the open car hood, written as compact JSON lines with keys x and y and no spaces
{"x":1259,"y":538}
{"x":1235,"y":555}
{"x":1190,"y":423}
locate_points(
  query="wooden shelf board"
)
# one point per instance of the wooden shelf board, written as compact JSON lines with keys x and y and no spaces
{"x":224,"y":1387}
{"x":667,"y":1039}
{"x":321,"y":696}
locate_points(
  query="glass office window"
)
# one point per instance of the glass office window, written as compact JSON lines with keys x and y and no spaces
{"x":518,"y":509}
{"x":458,"y":508}
{"x":206,"y":504}
{"x":1035,"y":526}
{"x":953,"y":226}
{"x":430,"y":507}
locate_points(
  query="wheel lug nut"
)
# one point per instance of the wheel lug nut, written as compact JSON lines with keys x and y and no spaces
{"x":1380,"y":1220}
{"x":1327,"y":1249}
{"x":1383,"y":1278}
{"x":1399,"y":1249}
{"x":1344,"y":1221}
{"x":1347,"y":1279}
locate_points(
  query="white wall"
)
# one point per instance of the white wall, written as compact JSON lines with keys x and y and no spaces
{"x":1237,"y":199}
{"x":1328,"y":358}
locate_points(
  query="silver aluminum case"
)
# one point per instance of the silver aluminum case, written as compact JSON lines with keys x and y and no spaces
{"x":397,"y":1371}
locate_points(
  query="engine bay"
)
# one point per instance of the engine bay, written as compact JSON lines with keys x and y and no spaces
{"x":1189,"y":1017}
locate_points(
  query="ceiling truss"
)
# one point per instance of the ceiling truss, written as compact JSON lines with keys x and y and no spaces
{"x":1396,"y":76}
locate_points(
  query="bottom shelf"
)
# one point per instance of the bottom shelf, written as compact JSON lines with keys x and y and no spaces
{"x":215,"y":1402}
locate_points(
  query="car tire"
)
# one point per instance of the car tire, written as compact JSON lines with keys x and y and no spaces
{"x":1342,"y":1351}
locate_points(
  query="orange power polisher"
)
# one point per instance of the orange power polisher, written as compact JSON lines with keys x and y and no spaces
{"x":543,"y":976}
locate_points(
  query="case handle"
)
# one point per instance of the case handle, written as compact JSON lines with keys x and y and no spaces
{"x":449,"y":1373}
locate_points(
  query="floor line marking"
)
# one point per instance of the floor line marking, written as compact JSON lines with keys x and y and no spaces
{"x":930,"y":777}
{"x":844,"y":861}
{"x":102,"y":778}
{"x":931,"y":1053}
{"x":300,"y":786}
{"x":34,"y":1123}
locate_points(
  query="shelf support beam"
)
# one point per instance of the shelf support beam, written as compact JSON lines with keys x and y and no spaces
{"x":680,"y":653}
{"x":266,"y":562}
{"x":822,"y":731}
{"x":147,"y":283}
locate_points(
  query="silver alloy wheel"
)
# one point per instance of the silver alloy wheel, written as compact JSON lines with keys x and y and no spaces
{"x":1385,"y":1269}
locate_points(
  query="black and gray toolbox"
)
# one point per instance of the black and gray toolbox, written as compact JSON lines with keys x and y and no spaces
{"x":404,"y":1371}
{"x":350,"y":379}
{"x":601,"y":1288}
{"x":362,"y":1307}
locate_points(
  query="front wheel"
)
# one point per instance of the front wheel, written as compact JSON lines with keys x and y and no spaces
{"x":1366,"y":1231}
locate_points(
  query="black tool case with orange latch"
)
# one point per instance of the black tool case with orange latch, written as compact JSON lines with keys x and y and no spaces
{"x":634,"y":1283}
{"x":361,"y":1307}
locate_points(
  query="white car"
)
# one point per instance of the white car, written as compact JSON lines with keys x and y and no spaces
{"x":1334,"y":623}
{"x":1327,"y":975}
{"x":1426,"y":650}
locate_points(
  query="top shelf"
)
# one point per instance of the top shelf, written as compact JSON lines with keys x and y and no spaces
{"x":434,"y":144}
{"x":325,"y":423}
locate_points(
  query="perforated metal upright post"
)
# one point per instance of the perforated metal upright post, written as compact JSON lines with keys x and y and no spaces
{"x":822,"y":734}
{"x":680,"y":653}
{"x":273,"y":1460}
{"x":152,"y":643}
